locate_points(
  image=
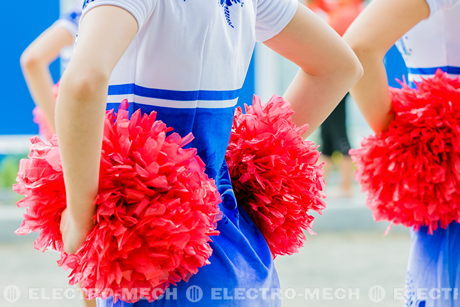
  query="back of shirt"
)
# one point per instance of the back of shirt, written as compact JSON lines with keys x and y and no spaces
{"x":435,"y":42}
{"x":190,"y":59}
{"x":188,"y":62}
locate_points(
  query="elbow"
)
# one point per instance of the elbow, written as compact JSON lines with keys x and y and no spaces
{"x":362,"y":52}
{"x":348,"y":68}
{"x":83,"y":86}
{"x":344,"y":67}
{"x":30,"y":60}
{"x":355,"y":69}
{"x":366,"y":53}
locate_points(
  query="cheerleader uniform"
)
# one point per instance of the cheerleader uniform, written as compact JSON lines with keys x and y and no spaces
{"x":188,"y":62}
{"x":433,"y":278}
{"x":69,"y":22}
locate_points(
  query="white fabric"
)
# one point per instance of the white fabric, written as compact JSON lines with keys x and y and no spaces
{"x":140,"y":9}
{"x":272,"y":17}
{"x":194,"y":45}
{"x":434,"y":42}
{"x":68,"y":25}
{"x":69,"y":22}
{"x":436,"y":5}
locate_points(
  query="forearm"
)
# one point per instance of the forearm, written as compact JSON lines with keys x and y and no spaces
{"x":371,"y":92}
{"x":40,"y":86}
{"x":79,"y":122}
{"x":328,"y":67}
{"x":371,"y":35}
{"x":104,"y":35}
{"x":313,"y":98}
{"x":35,"y":63}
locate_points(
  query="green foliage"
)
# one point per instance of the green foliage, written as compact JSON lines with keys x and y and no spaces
{"x":8,"y":171}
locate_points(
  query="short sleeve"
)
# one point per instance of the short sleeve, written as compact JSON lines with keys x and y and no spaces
{"x":70,"y":22}
{"x":140,"y":9}
{"x":436,"y":5}
{"x":273,"y":16}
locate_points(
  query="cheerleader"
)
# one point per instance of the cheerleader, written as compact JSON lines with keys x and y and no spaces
{"x":428,"y":39}
{"x":187,"y":60}
{"x":35,"y":61}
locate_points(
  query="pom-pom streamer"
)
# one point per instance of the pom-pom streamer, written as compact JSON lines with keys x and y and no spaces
{"x":411,"y":171}
{"x":275,"y":173}
{"x":156,"y":209}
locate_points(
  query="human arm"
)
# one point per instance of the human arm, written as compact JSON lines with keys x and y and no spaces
{"x":104,"y":35}
{"x":328,"y":67}
{"x":372,"y":34}
{"x":35,"y":62}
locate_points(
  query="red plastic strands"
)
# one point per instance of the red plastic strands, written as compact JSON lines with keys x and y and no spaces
{"x":275,"y":173}
{"x":41,"y":181}
{"x":411,"y":171}
{"x":155,"y":212}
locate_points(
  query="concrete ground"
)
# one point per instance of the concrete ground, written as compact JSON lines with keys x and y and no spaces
{"x":334,"y":269}
{"x":349,"y":263}
{"x":346,"y":269}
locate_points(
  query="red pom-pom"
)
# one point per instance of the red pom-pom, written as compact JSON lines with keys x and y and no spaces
{"x":411,"y":171}
{"x":40,"y":119}
{"x":155,"y":211}
{"x":275,"y":173}
{"x":40,"y":179}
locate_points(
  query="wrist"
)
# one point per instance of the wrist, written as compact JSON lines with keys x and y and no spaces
{"x":81,"y":218}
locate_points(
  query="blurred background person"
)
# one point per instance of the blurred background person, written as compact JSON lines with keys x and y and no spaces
{"x":334,"y":131}
{"x":35,"y":62}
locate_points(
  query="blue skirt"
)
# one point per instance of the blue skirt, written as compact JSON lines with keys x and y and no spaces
{"x":433,"y":277}
{"x":241,"y":273}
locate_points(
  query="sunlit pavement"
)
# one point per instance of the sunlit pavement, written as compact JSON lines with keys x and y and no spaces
{"x":349,"y":263}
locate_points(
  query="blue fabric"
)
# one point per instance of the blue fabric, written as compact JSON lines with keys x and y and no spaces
{"x":453,"y":70}
{"x":241,"y":259}
{"x":127,"y":89}
{"x":433,"y":278}
{"x":73,"y":17}
{"x":395,"y":67}
{"x":434,"y":265}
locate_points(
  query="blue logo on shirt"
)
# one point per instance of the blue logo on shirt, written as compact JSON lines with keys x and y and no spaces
{"x":226,"y":4}
{"x":87,"y":2}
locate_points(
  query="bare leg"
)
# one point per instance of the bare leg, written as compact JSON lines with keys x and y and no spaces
{"x":328,"y":164}
{"x":346,"y":172}
{"x":91,"y":303}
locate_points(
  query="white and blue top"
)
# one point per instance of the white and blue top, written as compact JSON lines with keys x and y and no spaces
{"x":188,"y":63}
{"x":434,"y":263}
{"x":70,"y":22}
{"x":434,"y":43}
